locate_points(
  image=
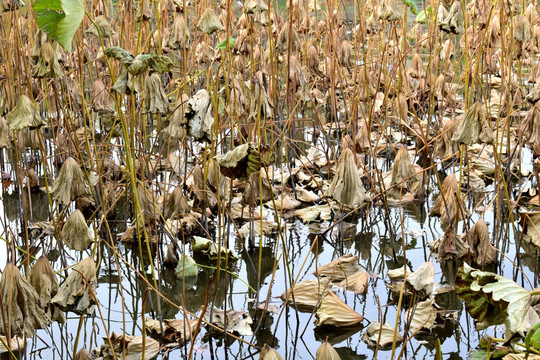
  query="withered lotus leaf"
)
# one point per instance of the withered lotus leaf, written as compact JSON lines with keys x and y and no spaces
{"x":233,"y":321}
{"x":382,"y":335}
{"x":244,"y":160}
{"x":76,"y":292}
{"x":357,"y":282}
{"x":423,"y":278}
{"x":346,"y":187}
{"x":332,"y":311}
{"x":327,"y":352}
{"x":307,"y":294}
{"x":48,"y":65}
{"x":70,"y":183}
{"x":127,"y":347}
{"x":209,"y":22}
{"x":154,"y":94}
{"x":268,"y":353}
{"x":100,"y":27}
{"x":25,"y":115}
{"x":474,"y":127}
{"x":43,"y":278}
{"x":174,"y":330}
{"x":180,"y":36}
{"x":447,"y":205}
{"x":340,"y":269}
{"x":5,"y":139}
{"x":255,"y":6}
{"x":83,"y":354}
{"x":389,"y":11}
{"x":21,"y":309}
{"x":199,"y":114}
{"x":75,"y":233}
{"x":478,"y":238}
{"x":423,"y":316}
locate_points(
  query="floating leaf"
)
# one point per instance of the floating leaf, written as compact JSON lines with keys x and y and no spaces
{"x":423,"y":278}
{"x":339,"y":269}
{"x":59,"y":19}
{"x":493,"y":299}
{"x":333,"y":311}
{"x":357,"y":282}
{"x":174,"y":330}
{"x":237,"y":321}
{"x":306,"y":294}
{"x":383,"y":335}
{"x":15,"y":345}
{"x":423,"y":316}
{"x":43,"y":278}
{"x":128,"y":347}
{"x":245,"y":160}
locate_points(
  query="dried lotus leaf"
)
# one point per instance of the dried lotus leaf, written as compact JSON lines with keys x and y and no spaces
{"x":332,"y":311}
{"x":154,"y":94}
{"x":83,"y":354}
{"x":21,"y":309}
{"x":422,"y":279}
{"x":423,"y":316}
{"x":381,"y":335}
{"x":474,"y":126}
{"x":306,"y":295}
{"x":483,"y":251}
{"x":339,"y":269}
{"x":327,"y":352}
{"x":357,"y":282}
{"x":174,"y":330}
{"x":75,"y":233}
{"x":77,"y":291}
{"x":70,"y":183}
{"x":268,"y":353}
{"x":209,"y":22}
{"x":255,"y":6}
{"x":25,"y":115}
{"x":346,"y":187}
{"x":128,"y":347}
{"x":43,"y":278}
{"x":199,"y":115}
{"x":447,"y":205}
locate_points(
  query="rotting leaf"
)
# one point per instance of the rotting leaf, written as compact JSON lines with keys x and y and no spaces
{"x":383,"y":335}
{"x":199,"y":115}
{"x":314,"y":213}
{"x":20,"y":310}
{"x":307,"y":294}
{"x":237,"y":321}
{"x":340,"y":269}
{"x":127,"y":347}
{"x":174,"y":330}
{"x":332,"y":311}
{"x":493,"y":299}
{"x":76,"y":292}
{"x":136,"y":65}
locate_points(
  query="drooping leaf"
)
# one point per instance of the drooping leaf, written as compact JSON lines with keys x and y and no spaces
{"x":59,"y":19}
{"x":421,"y":17}
{"x":187,"y":267}
{"x":493,"y":299}
{"x":140,"y":63}
{"x":120,"y":54}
